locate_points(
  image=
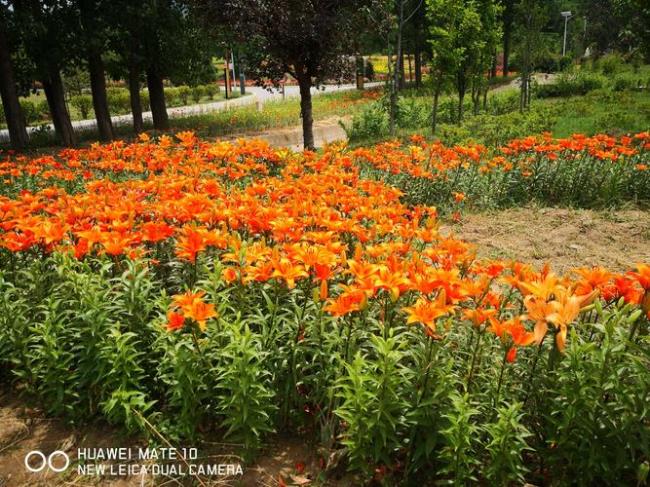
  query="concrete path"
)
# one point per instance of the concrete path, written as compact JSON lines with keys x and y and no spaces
{"x":539,"y":78}
{"x":255,"y":95}
{"x":326,"y":131}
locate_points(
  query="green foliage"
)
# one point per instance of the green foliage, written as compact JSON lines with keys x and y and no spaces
{"x":184,"y":93}
{"x":119,"y":100}
{"x":507,"y":446}
{"x":83,"y":104}
{"x":373,"y":403}
{"x":198,"y":92}
{"x":460,"y":435}
{"x":30,"y":112}
{"x":609,"y":64}
{"x":575,"y":83}
{"x":371,"y":122}
{"x":596,"y":400}
{"x":211,"y":89}
{"x":245,"y":398}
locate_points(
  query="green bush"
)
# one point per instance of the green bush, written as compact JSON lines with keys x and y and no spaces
{"x":575,"y":83}
{"x":610,"y":64}
{"x":172,"y":97}
{"x":119,"y":101}
{"x":184,"y":93}
{"x":211,"y":89}
{"x":623,"y":82}
{"x":198,"y":92}
{"x":83,"y":104}
{"x":30,"y":112}
{"x":370,"y":123}
{"x":144,"y":100}
{"x":413,"y":112}
{"x":43,"y":110}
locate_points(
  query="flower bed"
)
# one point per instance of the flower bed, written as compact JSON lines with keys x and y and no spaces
{"x":236,"y":290}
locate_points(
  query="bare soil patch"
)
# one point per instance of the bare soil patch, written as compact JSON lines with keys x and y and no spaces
{"x":565,"y":238}
{"x":284,"y":461}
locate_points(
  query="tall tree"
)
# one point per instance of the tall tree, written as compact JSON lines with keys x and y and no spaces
{"x":405,"y":11}
{"x":47,"y":31}
{"x":310,"y":40}
{"x":458,"y":42}
{"x":491,"y":33}
{"x":508,"y":18}
{"x":8,"y":91}
{"x":94,"y":25}
{"x":531,"y":17}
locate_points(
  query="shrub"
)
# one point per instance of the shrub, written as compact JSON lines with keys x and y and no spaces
{"x":623,"y":82}
{"x":119,"y":101}
{"x":413,"y":112}
{"x":571,"y":84}
{"x":30,"y":112}
{"x":198,"y":92}
{"x":144,"y":100}
{"x":211,"y":89}
{"x":172,"y":97}
{"x":184,"y":93}
{"x":610,"y":64}
{"x":83,"y":104}
{"x":43,"y":110}
{"x":371,"y":122}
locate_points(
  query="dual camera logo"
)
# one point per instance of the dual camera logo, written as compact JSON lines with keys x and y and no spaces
{"x":57,"y":461}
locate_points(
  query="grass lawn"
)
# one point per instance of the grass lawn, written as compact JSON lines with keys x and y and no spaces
{"x":604,"y":112}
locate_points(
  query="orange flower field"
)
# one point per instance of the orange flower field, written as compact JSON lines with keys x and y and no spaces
{"x":315,"y":295}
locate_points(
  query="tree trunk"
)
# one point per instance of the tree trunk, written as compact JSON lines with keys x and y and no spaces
{"x":522,"y":92}
{"x":396,"y":74}
{"x":360,"y":71}
{"x":10,"y":103}
{"x":461,"y":85}
{"x":304,"y":81}
{"x":461,"y":98}
{"x":53,"y":87}
{"x":134,"y":96}
{"x":508,"y":14}
{"x":157,"y":100}
{"x":485,"y":94}
{"x":436,"y":97}
{"x":399,"y":56}
{"x":493,"y":67}
{"x":402,"y":71}
{"x":418,"y":65}
{"x":100,"y":103}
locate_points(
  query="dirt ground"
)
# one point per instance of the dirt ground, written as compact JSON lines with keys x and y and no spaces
{"x":562,"y":237}
{"x":283,"y":461}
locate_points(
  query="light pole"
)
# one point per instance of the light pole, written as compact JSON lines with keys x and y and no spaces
{"x":567,"y":16}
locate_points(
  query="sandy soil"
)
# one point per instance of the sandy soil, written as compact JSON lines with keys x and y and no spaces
{"x":562,"y":237}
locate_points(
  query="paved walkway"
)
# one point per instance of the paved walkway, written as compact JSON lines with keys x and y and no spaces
{"x":326,"y":131}
{"x":255,"y":95}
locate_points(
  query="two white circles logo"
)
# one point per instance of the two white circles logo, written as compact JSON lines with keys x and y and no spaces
{"x":36,"y":461}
